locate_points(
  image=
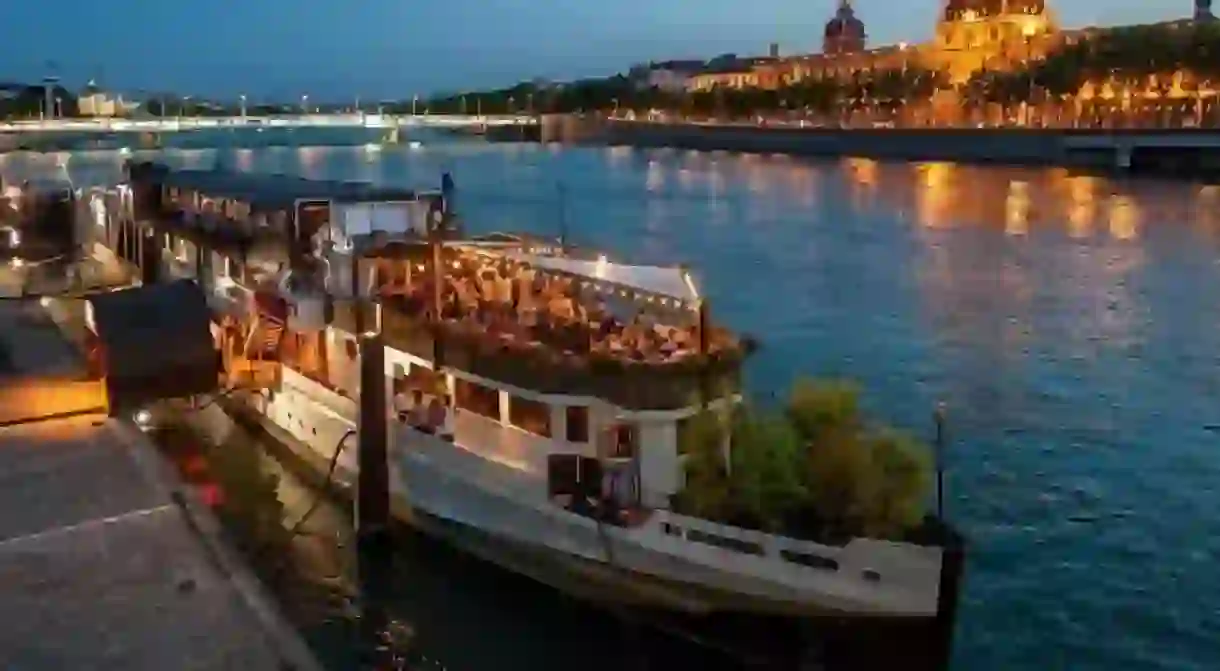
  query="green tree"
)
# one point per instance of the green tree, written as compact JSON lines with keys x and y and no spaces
{"x":823,"y":411}
{"x":706,"y":492}
{"x":817,"y":469}
{"x":904,"y":467}
{"x":764,"y":478}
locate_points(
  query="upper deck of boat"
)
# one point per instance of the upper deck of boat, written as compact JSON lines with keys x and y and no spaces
{"x":269,"y":191}
{"x":523,"y":311}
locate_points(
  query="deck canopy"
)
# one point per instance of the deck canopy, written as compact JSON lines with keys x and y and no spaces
{"x":669,"y":282}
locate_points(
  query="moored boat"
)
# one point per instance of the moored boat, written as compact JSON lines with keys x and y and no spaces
{"x":542,"y":394}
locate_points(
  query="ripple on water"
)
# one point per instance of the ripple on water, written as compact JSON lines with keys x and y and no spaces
{"x":1077,"y":360}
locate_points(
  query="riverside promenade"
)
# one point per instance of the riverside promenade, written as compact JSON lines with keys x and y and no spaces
{"x":107,"y":561}
{"x":1189,"y":151}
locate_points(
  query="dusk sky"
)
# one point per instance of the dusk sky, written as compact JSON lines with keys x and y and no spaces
{"x":395,"y":48}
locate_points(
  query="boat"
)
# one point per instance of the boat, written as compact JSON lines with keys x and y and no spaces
{"x":558,"y":456}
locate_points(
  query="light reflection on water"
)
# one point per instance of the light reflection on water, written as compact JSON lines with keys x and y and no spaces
{"x":1069,"y":321}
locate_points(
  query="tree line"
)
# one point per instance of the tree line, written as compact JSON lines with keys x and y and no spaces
{"x":1132,"y":56}
{"x":25,"y":101}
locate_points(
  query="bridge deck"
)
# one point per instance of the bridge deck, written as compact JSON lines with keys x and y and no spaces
{"x":301,"y":121}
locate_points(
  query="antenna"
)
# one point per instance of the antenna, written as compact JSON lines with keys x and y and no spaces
{"x":939,"y":417}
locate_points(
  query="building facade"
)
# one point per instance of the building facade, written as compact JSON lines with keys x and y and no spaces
{"x":970,"y":35}
{"x":94,"y":102}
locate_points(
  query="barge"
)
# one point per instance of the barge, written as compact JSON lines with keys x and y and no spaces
{"x":558,"y":386}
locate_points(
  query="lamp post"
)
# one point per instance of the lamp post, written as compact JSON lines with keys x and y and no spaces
{"x":939,"y":417}
{"x":243,"y":107}
{"x":1028,"y":31}
{"x":304,"y":104}
{"x":414,"y":103}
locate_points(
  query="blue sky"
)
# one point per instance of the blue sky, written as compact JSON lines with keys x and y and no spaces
{"x":395,"y":48}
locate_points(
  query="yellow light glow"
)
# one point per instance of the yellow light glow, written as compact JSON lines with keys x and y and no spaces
{"x":690,"y":284}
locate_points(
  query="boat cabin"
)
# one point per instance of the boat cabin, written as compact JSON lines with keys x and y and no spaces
{"x":536,"y":351}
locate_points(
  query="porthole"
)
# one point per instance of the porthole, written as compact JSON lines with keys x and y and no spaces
{"x":870,"y":575}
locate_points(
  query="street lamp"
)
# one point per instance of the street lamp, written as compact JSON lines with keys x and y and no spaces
{"x":1028,"y":31}
{"x":243,"y":107}
{"x":414,"y":103}
{"x":305,"y":104}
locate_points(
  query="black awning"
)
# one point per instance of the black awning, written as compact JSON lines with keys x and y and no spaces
{"x":156,"y":343}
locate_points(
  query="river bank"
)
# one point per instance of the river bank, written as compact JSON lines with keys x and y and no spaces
{"x":1172,"y":152}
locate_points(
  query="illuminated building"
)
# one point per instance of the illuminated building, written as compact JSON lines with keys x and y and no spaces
{"x":970,"y":35}
{"x":844,"y":33}
{"x":95,"y":102}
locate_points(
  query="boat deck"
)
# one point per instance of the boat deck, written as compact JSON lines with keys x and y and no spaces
{"x":486,"y":452}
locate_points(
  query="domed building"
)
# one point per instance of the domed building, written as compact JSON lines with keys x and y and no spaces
{"x":844,"y":33}
{"x":994,"y":34}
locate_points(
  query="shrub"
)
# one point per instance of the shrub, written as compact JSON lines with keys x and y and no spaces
{"x":817,"y":470}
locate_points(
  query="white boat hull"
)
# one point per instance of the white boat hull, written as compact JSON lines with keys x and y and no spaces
{"x":633,"y":565}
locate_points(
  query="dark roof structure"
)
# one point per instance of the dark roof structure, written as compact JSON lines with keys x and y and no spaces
{"x":134,"y":328}
{"x":270,"y":191}
{"x":844,"y":23}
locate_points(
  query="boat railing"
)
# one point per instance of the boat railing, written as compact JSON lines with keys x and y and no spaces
{"x":863,"y":559}
{"x":546,"y":370}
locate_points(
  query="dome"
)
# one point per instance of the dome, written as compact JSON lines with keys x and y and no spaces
{"x":957,"y":10}
{"x":845,"y":24}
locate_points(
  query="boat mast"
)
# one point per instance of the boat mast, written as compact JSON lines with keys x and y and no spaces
{"x":563,"y":219}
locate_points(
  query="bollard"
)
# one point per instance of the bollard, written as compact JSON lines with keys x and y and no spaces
{"x":373,"y":482}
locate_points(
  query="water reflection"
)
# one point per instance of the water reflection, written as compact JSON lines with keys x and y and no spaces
{"x":437,"y":607}
{"x":1067,"y":320}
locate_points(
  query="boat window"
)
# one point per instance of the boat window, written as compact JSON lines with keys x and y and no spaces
{"x":530,"y":416}
{"x":478,"y":399}
{"x":810,"y":560}
{"x":724,"y":542}
{"x":624,"y":441}
{"x":578,"y":423}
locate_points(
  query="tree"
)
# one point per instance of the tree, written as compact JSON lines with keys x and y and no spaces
{"x":706,"y":492}
{"x":765,"y":458}
{"x":905,"y":468}
{"x":817,"y":469}
{"x":29,"y":101}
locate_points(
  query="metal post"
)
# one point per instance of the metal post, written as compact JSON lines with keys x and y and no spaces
{"x":939,"y":418}
{"x":563,"y":220}
{"x":373,"y":484}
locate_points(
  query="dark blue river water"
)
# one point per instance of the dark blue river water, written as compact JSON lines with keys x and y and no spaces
{"x":1070,"y":323}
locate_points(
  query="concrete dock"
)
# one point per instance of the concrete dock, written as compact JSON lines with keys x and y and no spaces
{"x":106,"y":560}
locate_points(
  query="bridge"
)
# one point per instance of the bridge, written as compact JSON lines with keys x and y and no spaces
{"x":173,"y":124}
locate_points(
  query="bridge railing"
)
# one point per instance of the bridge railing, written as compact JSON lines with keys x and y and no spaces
{"x":293,"y":121}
